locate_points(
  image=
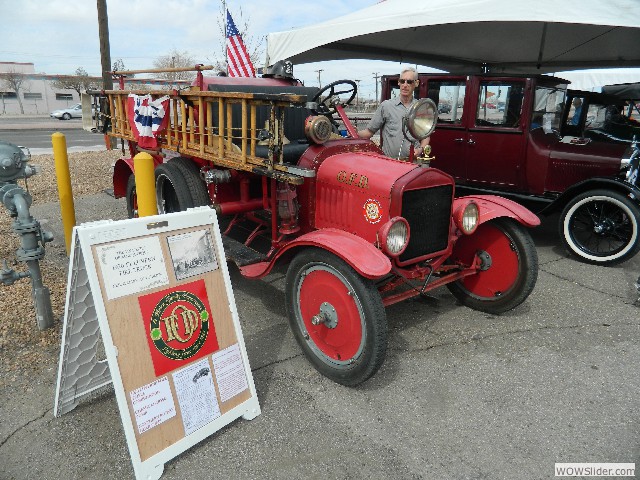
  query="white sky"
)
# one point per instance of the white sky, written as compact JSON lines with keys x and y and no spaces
{"x":58,"y":36}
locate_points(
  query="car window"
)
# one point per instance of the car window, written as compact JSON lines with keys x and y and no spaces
{"x":449,"y":96}
{"x":548,"y":104}
{"x":500,"y":104}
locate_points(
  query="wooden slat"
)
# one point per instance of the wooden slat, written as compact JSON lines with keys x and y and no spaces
{"x":214,"y":139}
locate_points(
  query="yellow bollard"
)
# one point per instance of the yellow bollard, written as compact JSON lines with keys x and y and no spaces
{"x":145,"y":184}
{"x":67,"y":209}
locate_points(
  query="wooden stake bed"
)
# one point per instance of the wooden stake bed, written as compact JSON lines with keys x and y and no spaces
{"x":213,"y":132}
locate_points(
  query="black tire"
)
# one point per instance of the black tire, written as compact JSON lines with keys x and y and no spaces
{"x":66,"y":116}
{"x":172,"y":192}
{"x":132,"y":197}
{"x":350,"y":343}
{"x":195,"y":183}
{"x":601,"y":227}
{"x":510,"y":268}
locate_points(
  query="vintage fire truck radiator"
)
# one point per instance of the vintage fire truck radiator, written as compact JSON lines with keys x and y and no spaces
{"x":428,"y":212}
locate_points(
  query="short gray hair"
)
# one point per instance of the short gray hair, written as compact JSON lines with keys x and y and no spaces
{"x":410,"y":69}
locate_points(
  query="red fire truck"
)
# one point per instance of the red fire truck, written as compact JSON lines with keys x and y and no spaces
{"x":358,"y":230}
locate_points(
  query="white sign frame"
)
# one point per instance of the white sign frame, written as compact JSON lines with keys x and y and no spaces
{"x":99,"y":233}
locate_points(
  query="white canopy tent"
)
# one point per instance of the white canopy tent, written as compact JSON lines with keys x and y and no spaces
{"x":594,"y":80}
{"x":475,"y":35}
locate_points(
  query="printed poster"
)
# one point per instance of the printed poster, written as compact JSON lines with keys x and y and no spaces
{"x":196,"y":395}
{"x":230,"y":374}
{"x":132,"y":266}
{"x":152,"y":404}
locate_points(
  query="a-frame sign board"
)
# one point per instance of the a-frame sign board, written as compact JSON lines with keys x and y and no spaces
{"x":157,"y":290}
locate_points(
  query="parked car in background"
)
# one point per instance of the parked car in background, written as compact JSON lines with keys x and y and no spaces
{"x":67,"y":113}
{"x":530,"y":152}
{"x":602,"y":117}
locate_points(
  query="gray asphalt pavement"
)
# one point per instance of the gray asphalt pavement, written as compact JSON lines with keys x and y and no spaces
{"x":34,"y":132}
{"x":462,"y":394}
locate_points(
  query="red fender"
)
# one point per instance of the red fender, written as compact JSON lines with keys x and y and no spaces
{"x":365,"y":259}
{"x":122,"y":169}
{"x":493,"y":206}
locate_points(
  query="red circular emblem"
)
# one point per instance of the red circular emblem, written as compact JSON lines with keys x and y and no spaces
{"x":372,"y":210}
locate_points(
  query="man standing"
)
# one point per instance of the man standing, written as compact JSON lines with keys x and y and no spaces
{"x":577,"y":104}
{"x":389,"y":117}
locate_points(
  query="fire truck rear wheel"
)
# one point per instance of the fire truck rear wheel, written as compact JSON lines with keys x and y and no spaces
{"x":172,"y":191}
{"x":132,"y":197}
{"x":336,"y":316}
{"x":511,"y":267}
{"x":195,"y":183}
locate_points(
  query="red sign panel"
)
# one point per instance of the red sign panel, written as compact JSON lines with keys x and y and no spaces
{"x":179,"y":325}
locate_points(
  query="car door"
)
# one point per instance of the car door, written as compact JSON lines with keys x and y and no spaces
{"x":448,"y":141}
{"x":495,"y":144}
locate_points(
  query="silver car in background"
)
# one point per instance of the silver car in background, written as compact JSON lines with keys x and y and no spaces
{"x":67,"y":113}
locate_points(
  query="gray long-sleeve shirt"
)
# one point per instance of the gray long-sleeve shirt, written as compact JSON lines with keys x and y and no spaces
{"x":388,"y":118}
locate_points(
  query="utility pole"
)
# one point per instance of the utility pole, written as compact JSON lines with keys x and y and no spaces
{"x":318,"y":72}
{"x":105,"y":49}
{"x":376,"y":76}
{"x":105,"y":56}
{"x":358,"y":83}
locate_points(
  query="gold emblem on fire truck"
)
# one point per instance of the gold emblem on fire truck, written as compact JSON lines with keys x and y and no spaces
{"x":372,"y":210}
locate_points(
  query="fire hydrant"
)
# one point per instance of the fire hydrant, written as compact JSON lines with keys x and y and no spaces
{"x":13,"y":166}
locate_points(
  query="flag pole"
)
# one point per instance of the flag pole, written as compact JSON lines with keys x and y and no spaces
{"x":226,"y":54}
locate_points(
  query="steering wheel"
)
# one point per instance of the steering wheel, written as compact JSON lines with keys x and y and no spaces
{"x":327,"y":106}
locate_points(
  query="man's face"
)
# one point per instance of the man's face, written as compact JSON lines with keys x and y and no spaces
{"x":407,"y":84}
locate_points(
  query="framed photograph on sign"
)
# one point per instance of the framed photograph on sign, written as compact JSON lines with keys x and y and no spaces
{"x":192,"y":253}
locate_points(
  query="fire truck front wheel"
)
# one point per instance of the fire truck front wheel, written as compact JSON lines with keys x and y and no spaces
{"x":508,"y":270}
{"x":336,"y":316}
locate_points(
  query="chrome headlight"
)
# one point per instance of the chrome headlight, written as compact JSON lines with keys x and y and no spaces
{"x":422,"y":118}
{"x":394,"y":236}
{"x":318,"y":129}
{"x":466,"y":217}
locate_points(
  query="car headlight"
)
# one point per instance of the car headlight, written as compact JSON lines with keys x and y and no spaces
{"x":394,"y":236}
{"x":466,"y":217}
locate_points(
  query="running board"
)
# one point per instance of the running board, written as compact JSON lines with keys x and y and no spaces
{"x":240,"y":254}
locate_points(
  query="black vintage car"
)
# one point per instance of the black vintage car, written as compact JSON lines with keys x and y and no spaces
{"x":603,"y":117}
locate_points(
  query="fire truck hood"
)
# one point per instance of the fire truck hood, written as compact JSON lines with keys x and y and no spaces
{"x":370,"y":171}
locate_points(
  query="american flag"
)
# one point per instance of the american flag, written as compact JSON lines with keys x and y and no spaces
{"x":239,"y":62}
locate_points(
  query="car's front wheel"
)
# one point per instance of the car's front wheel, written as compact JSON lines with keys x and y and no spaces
{"x":337,"y":317}
{"x":66,"y":116}
{"x":601,"y":227}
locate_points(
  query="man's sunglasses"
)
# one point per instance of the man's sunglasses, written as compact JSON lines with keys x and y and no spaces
{"x":402,"y":81}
